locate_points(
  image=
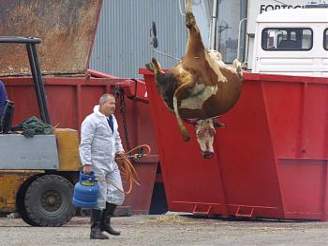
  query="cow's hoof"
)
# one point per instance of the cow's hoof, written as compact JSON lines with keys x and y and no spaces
{"x":218,"y":124}
{"x":236,"y":64}
{"x":150,"y":67}
{"x":238,"y":67}
{"x":190,"y":20}
{"x":156,"y":66}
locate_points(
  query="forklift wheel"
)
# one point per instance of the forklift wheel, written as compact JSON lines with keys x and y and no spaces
{"x":48,"y":201}
{"x":21,"y":204}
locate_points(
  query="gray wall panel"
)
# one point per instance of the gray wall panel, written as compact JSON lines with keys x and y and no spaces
{"x":122,"y":40}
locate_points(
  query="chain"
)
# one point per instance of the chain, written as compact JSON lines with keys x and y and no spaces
{"x":119,"y":92}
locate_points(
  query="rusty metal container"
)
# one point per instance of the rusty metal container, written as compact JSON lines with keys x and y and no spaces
{"x":67,"y":30}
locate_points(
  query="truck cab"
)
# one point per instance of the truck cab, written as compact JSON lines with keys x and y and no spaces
{"x":292,"y":42}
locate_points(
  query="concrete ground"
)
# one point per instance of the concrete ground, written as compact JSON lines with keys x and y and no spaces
{"x":170,"y":229}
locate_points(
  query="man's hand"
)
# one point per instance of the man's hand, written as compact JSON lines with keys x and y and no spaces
{"x":119,"y":154}
{"x":87,"y":168}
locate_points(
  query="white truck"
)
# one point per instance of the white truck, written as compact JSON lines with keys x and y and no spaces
{"x":292,"y":42}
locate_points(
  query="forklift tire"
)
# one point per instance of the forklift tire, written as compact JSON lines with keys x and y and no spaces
{"x":25,"y":218}
{"x":21,"y":205}
{"x":48,"y":201}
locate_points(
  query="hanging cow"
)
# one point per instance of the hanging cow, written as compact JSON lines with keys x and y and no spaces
{"x":200,"y":87}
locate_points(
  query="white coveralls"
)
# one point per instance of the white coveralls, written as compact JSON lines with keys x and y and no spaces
{"x":98,"y":147}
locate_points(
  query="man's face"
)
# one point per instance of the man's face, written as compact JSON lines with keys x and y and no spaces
{"x":108,"y":107}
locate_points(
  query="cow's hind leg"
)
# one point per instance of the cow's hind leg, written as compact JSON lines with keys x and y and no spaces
{"x":190,"y":20}
{"x":195,"y":46}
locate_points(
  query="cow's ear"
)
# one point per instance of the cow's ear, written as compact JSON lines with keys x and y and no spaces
{"x":218,"y":124}
{"x":150,"y":67}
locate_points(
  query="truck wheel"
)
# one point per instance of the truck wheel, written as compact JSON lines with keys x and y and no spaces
{"x":48,"y":201}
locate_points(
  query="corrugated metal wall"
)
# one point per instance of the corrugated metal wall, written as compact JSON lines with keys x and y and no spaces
{"x":122,"y":40}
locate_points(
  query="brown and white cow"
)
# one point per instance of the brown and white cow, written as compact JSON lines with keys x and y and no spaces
{"x":200,"y":87}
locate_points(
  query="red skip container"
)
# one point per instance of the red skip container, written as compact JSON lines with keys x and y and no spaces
{"x":71,"y":99}
{"x":271,"y":159}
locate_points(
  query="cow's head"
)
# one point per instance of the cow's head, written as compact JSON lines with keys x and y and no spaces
{"x":205,"y":132}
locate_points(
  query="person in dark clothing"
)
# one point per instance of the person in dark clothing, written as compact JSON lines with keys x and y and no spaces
{"x":3,"y":97}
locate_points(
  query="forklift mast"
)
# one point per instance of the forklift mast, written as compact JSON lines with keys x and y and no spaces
{"x":30,"y":43}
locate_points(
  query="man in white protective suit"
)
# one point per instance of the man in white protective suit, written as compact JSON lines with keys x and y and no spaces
{"x":100,"y":142}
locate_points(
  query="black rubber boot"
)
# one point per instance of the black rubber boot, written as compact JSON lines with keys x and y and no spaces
{"x":106,"y":219}
{"x":96,"y":222}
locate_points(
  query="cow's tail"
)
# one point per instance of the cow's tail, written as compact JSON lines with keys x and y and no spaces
{"x":183,"y":129}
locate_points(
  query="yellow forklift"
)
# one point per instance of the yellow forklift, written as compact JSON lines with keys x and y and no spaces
{"x":37,"y":173}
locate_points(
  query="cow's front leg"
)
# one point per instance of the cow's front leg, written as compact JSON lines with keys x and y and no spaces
{"x":176,"y":103}
{"x":231,"y":72}
{"x":154,"y":66}
{"x":237,"y":65}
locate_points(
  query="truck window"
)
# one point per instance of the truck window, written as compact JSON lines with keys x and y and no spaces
{"x":325,"y":39}
{"x":289,"y":39}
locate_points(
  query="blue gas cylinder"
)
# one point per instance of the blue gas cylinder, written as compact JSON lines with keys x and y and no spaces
{"x":86,"y":191}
